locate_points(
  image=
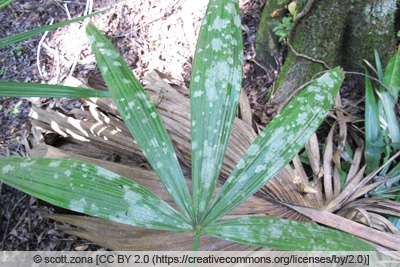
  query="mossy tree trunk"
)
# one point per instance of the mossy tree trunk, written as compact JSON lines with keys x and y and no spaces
{"x":336,"y":32}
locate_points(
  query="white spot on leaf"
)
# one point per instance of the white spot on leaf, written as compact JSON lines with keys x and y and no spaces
{"x":237,"y":21}
{"x":160,"y":164}
{"x":319,"y":98}
{"x":94,"y":209}
{"x":78,"y":205}
{"x":230,"y":8}
{"x":260,"y":168}
{"x":109,"y":175}
{"x":198,"y":93}
{"x":253,"y":150}
{"x":216,"y":44}
{"x":91,"y":39}
{"x":141,"y":95}
{"x":194,"y":145}
{"x":154,"y":142}
{"x":55,"y":164}
{"x":27,"y":163}
{"x":219,"y":24}
{"x":8,"y":168}
{"x":240,"y":165}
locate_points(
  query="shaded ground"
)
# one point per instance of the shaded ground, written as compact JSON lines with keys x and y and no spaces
{"x":154,"y":34}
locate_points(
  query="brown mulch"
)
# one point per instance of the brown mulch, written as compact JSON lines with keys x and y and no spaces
{"x":154,"y":34}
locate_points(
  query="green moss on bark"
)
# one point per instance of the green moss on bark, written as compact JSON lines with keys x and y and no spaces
{"x":339,"y":33}
{"x":371,"y":26}
{"x":318,"y":36}
{"x":267,"y":43}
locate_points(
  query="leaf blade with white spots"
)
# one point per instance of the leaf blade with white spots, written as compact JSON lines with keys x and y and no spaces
{"x":280,"y":141}
{"x":214,"y":92}
{"x":141,"y":118}
{"x":285,"y":235}
{"x":90,"y":189}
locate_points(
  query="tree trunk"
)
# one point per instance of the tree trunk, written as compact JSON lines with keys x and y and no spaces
{"x":334,"y":32}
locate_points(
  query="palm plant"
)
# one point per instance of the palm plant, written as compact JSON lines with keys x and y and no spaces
{"x":215,"y":86}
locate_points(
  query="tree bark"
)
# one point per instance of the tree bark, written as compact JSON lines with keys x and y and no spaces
{"x":336,"y":32}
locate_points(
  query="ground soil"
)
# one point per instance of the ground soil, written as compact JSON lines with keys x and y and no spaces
{"x":153,"y":34}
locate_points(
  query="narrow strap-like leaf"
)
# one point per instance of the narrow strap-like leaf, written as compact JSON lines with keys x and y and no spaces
{"x":25,"y":35}
{"x":90,"y":189}
{"x":141,"y":118}
{"x":373,"y":135}
{"x":214,"y":92}
{"x":391,"y":78}
{"x":20,"y":89}
{"x":280,"y":141}
{"x":4,"y":3}
{"x":285,"y":235}
{"x":379,"y":70}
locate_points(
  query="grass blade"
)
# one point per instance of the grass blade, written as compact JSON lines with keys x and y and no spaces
{"x":90,"y":189}
{"x":215,"y":88}
{"x":285,"y":235}
{"x":373,"y":135}
{"x":391,"y":78}
{"x":25,"y":35}
{"x":379,"y":70}
{"x":20,"y":89}
{"x":141,"y":118}
{"x":280,"y":141}
{"x":4,"y":3}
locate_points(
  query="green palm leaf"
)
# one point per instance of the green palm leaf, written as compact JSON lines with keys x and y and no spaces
{"x":285,"y":235}
{"x":20,"y":89}
{"x":90,"y":189}
{"x":141,"y":118}
{"x":374,"y":144}
{"x":280,"y":141}
{"x":391,"y":78}
{"x":4,"y":3}
{"x":25,"y":35}
{"x":214,"y":92}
